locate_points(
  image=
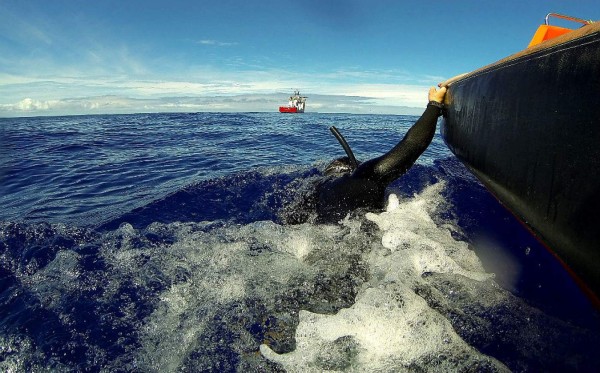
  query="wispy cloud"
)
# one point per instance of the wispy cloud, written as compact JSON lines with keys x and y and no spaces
{"x":112,"y":104}
{"x":216,"y":43}
{"x":24,"y":30}
{"x":90,"y":105}
{"x":207,"y":88}
{"x":118,"y":104}
{"x":389,"y":94}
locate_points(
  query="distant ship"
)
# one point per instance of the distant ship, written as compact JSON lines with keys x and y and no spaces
{"x":296,"y":104}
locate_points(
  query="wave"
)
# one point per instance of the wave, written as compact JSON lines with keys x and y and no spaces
{"x":207,"y":279}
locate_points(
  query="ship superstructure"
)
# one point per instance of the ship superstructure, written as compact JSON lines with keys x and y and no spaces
{"x":296,"y":104}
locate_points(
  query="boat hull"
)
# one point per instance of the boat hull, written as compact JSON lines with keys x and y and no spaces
{"x":287,"y":109}
{"x":529,"y":128}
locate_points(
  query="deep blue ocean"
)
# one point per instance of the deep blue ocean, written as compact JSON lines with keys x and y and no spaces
{"x":156,"y":243}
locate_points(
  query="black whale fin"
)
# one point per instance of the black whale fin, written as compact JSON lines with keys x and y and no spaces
{"x":345,"y":145}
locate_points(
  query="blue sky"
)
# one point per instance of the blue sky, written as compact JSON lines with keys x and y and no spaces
{"x":371,"y":56}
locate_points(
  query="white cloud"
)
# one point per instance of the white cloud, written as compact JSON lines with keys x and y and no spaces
{"x":111,"y":104}
{"x":68,"y":106}
{"x":207,"y":89}
{"x":29,"y":104}
{"x":399,"y":94}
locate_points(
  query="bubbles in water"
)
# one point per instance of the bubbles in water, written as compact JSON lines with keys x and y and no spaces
{"x":390,"y":327}
{"x":391,"y":292}
{"x":425,"y":246}
{"x":246,"y":285}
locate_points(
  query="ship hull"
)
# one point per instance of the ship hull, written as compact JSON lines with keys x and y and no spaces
{"x":529,"y":128}
{"x":287,"y":109}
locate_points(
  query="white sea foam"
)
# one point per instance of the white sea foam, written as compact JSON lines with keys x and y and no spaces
{"x":259,"y":262}
{"x":425,"y":246}
{"x":390,"y":327}
{"x":310,"y":297}
{"x":341,"y":297}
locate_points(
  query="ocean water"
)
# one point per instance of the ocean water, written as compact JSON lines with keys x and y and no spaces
{"x":155,"y":243}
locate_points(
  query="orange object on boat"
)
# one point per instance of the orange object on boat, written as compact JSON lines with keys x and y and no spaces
{"x":547,"y":32}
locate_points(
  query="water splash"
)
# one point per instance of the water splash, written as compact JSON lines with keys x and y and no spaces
{"x":390,"y":327}
{"x":394,"y":291}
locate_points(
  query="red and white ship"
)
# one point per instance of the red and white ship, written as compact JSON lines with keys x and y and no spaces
{"x":296,"y":104}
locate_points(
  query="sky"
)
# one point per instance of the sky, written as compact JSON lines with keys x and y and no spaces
{"x":64,"y":57}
